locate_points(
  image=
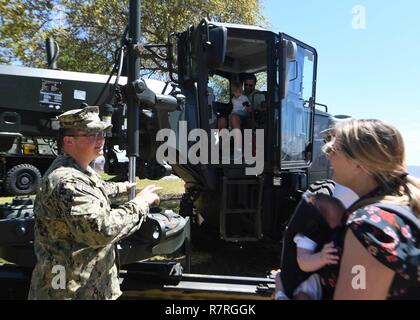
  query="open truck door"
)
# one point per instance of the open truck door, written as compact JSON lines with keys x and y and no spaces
{"x":297,"y":74}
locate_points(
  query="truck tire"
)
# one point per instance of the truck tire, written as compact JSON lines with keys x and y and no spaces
{"x":22,"y":179}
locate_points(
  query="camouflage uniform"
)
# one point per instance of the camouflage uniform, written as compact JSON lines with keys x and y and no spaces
{"x":76,"y":228}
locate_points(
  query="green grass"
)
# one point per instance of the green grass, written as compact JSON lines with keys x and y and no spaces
{"x":4,"y":200}
{"x":170,"y":188}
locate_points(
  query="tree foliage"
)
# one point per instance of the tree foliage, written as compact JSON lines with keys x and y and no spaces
{"x":88,"y":32}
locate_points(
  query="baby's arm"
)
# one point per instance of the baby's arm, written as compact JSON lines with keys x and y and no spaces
{"x":309,"y":261}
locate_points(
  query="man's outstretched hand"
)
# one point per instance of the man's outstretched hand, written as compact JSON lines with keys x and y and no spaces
{"x":149,"y":195}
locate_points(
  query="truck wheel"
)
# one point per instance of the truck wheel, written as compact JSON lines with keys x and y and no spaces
{"x":22,"y":179}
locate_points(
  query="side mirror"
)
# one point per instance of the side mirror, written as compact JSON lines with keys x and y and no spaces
{"x":145,"y":97}
{"x":217,"y":47}
{"x":291,"y":50}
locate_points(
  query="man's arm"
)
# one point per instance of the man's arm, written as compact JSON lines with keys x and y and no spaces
{"x":92,"y":221}
{"x":115,"y":188}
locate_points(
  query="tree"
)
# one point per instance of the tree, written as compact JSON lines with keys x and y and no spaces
{"x":88,"y":32}
{"x":23,"y":28}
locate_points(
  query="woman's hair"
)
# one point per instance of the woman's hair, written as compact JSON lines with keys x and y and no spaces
{"x":379,"y":147}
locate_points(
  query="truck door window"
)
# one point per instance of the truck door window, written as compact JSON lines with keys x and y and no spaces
{"x":296,"y":114}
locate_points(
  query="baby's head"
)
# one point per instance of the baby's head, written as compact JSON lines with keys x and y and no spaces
{"x":237,"y":89}
{"x":331,"y":209}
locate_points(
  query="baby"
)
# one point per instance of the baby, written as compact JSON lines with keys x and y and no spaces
{"x":307,"y":246}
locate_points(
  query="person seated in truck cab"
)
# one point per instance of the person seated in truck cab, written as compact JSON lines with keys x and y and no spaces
{"x":241,"y":110}
{"x":240,"y":113}
{"x":256,"y":99}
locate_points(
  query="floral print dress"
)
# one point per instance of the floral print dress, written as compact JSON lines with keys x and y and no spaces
{"x":393,"y":242}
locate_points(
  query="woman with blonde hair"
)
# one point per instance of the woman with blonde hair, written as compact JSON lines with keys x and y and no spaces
{"x":381,"y":252}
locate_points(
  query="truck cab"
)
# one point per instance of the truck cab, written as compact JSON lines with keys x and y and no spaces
{"x":221,"y":194}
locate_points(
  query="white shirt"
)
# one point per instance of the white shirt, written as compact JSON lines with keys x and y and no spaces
{"x":346,"y":195}
{"x":238,"y":104}
{"x":304,"y":242}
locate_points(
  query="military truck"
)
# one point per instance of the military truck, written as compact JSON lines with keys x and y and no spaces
{"x":223,"y":199}
{"x":22,"y":166}
{"x":220,"y":197}
{"x":32,"y":98}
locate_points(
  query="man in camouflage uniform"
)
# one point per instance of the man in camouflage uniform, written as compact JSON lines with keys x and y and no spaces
{"x":75,"y":227}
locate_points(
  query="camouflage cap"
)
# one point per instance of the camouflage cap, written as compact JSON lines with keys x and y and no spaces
{"x":86,"y":119}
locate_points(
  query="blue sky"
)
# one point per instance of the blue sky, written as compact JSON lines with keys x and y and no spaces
{"x":372,"y":72}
